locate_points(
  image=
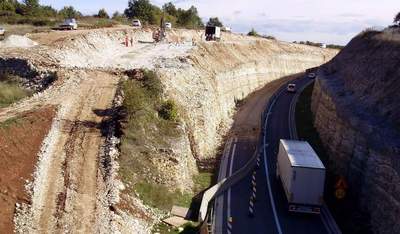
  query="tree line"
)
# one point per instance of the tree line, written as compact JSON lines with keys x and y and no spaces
{"x":32,"y":12}
{"x":152,"y":14}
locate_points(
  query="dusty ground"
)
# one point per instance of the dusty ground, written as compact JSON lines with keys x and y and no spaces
{"x":67,"y":188}
{"x":20,"y":142}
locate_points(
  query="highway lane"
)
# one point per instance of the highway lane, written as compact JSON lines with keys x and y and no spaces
{"x":236,"y":218}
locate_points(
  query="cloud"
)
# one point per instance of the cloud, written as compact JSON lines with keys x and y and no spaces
{"x":350,"y":15}
{"x":312,"y":20}
{"x":262,"y":14}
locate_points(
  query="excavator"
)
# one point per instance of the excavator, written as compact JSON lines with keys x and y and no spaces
{"x":159,"y":35}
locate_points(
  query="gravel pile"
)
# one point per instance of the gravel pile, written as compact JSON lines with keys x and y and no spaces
{"x":17,"y":41}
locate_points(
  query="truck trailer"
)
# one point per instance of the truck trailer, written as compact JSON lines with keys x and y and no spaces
{"x":302,"y":175}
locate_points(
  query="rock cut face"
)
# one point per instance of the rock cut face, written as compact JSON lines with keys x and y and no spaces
{"x":356,"y":107}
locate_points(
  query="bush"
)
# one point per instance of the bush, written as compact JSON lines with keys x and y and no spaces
{"x":168,"y":110}
{"x":10,"y":91}
{"x":214,"y":21}
{"x":253,"y":33}
{"x":152,"y":83}
{"x":102,"y":14}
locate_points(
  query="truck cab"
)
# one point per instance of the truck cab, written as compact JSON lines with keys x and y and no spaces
{"x":213,"y":33}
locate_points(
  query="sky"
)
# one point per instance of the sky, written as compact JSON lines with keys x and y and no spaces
{"x":331,"y":22}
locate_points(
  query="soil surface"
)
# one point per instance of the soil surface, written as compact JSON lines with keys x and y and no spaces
{"x":20,"y":142}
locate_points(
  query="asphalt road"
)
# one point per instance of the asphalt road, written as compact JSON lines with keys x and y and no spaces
{"x":270,"y":206}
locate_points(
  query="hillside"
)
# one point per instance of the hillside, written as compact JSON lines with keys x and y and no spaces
{"x":90,"y":76}
{"x":356,"y":108}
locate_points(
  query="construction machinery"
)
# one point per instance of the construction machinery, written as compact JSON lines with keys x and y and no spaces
{"x":213,"y":33}
{"x":160,"y":34}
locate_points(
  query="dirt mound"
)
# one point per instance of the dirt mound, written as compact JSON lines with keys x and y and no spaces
{"x":17,"y":41}
{"x":20,"y":141}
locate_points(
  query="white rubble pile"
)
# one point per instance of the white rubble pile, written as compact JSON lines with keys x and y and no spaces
{"x":17,"y":41}
{"x":99,"y":50}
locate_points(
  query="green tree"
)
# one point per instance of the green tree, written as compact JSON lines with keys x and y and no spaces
{"x":116,"y":15}
{"x":47,"y":11}
{"x":170,"y":9}
{"x":30,"y":7}
{"x":69,"y":12}
{"x":189,"y":18}
{"x":7,"y":5}
{"x":253,"y":33}
{"x":103,"y":14}
{"x":397,"y":19}
{"x":33,"y":4}
{"x":141,"y":9}
{"x":214,"y":22}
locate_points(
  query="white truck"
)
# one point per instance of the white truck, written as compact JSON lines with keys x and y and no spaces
{"x":2,"y":33}
{"x":302,"y":175}
{"x":213,"y":33}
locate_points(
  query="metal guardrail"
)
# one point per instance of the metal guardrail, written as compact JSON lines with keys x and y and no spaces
{"x":226,"y":183}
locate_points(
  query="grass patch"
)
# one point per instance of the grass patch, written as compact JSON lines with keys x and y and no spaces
{"x":146,"y":131}
{"x":202,"y":181}
{"x":159,"y":196}
{"x":10,"y":90}
{"x":345,"y":211}
{"x":149,"y":128}
{"x":10,"y":122}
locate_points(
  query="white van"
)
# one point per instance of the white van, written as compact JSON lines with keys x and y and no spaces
{"x":136,"y":23}
{"x":168,"y":25}
{"x":291,"y":88}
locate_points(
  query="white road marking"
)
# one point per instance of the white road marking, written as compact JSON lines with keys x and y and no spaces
{"x":229,"y":190}
{"x":271,"y":198}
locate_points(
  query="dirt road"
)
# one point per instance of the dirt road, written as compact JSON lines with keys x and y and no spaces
{"x":65,"y":190}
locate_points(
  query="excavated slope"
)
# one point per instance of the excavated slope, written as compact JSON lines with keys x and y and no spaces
{"x":215,"y":75}
{"x":357,"y":109}
{"x":205,"y":79}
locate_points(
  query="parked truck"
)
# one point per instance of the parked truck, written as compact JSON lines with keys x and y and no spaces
{"x":213,"y":33}
{"x":2,"y":33}
{"x":302,"y":175}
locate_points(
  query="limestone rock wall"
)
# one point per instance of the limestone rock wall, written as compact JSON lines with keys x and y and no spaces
{"x":353,"y":104}
{"x":207,"y":82}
